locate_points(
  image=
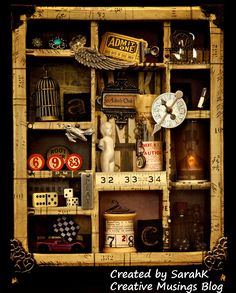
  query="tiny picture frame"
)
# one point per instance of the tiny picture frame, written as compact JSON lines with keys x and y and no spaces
{"x":77,"y":107}
{"x":120,"y":106}
{"x":119,"y":101}
{"x":150,"y":234}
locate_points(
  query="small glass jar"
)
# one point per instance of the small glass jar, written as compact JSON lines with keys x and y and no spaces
{"x":191,"y":150}
{"x":180,"y":237}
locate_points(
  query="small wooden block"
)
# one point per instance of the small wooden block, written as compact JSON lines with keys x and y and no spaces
{"x":87,"y":190}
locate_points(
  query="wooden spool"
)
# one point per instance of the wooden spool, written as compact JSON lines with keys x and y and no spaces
{"x":119,"y":234}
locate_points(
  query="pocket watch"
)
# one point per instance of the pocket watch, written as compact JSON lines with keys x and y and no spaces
{"x":168,"y":110}
{"x":141,"y":160}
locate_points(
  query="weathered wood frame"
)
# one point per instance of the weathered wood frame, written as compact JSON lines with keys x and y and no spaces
{"x":216,"y":183}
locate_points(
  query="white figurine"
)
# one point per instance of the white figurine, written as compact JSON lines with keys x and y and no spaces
{"x":106,"y":144}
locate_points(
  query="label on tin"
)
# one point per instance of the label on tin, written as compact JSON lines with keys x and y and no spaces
{"x":153,"y":155}
{"x":119,"y":234}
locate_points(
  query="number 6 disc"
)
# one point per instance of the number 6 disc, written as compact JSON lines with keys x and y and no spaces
{"x":74,"y":162}
{"x":55,"y":162}
{"x":36,"y":162}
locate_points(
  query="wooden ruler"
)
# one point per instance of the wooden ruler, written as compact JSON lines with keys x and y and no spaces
{"x":127,"y":179}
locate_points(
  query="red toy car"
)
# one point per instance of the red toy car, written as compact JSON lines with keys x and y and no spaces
{"x":58,"y":245}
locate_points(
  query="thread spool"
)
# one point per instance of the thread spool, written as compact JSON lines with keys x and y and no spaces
{"x":119,"y":234}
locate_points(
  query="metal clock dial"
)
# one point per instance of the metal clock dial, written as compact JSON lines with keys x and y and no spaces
{"x":168,"y":110}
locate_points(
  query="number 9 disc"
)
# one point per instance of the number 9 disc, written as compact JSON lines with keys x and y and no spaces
{"x":74,"y":162}
{"x":55,"y":162}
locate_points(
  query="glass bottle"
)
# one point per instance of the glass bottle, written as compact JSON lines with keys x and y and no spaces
{"x":197,"y":229}
{"x":191,"y":151}
{"x":180,"y":228}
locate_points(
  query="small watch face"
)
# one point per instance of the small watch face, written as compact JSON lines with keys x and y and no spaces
{"x":141,"y":161}
{"x":168,"y":110}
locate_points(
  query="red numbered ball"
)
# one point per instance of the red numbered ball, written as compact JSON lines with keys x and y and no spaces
{"x":74,"y":162}
{"x":36,"y":162}
{"x":55,"y":162}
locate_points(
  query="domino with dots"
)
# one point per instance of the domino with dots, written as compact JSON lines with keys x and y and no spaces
{"x":44,"y":199}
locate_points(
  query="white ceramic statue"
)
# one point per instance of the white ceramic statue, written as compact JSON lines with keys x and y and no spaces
{"x":106,"y":144}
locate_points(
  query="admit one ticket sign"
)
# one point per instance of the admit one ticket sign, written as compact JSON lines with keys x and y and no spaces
{"x":123,"y":47}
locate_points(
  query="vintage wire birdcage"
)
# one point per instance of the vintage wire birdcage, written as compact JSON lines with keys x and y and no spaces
{"x":47,"y":99}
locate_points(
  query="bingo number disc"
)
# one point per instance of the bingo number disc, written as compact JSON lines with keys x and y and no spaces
{"x":36,"y":162}
{"x":74,"y":162}
{"x":55,"y":162}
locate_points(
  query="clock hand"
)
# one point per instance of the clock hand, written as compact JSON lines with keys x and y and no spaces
{"x":168,"y":110}
{"x":178,"y":95}
{"x":157,"y":126}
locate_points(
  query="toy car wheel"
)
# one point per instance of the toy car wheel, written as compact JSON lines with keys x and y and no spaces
{"x":77,"y":249}
{"x":43,"y":248}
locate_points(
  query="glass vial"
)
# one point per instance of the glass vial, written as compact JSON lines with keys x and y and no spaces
{"x":180,"y":237}
{"x":197,"y":229}
{"x":191,"y":150}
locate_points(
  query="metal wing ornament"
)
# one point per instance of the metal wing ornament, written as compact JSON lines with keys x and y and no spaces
{"x":90,"y":57}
